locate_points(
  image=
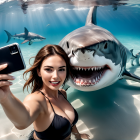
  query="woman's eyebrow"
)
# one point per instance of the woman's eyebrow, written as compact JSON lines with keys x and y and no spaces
{"x":52,"y":67}
{"x":62,"y":66}
{"x":48,"y":66}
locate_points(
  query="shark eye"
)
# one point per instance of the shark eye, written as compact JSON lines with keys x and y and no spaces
{"x":105,"y":47}
{"x":67,"y":45}
{"x":72,"y":52}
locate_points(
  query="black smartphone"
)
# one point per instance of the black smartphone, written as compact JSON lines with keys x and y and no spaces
{"x":11,"y":54}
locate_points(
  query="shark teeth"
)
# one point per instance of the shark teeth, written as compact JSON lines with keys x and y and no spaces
{"x":88,"y":76}
{"x":87,"y":82}
{"x":95,"y":68}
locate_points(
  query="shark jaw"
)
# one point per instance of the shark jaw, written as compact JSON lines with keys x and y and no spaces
{"x":88,"y":76}
{"x":94,"y":74}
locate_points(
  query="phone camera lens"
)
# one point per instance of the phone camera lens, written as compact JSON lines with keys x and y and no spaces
{"x":13,"y":49}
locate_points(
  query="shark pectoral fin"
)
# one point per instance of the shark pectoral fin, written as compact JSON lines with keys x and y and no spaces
{"x":25,"y":41}
{"x":65,"y":87}
{"x":26,"y":31}
{"x":130,"y":76}
{"x":30,"y":43}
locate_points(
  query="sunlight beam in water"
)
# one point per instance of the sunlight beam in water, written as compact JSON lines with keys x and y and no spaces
{"x":11,"y":133}
{"x":77,"y":103}
{"x":132,"y":82}
{"x":76,"y":13}
{"x":136,"y":97}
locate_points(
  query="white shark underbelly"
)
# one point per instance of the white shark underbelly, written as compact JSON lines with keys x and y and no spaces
{"x":35,"y":40}
{"x":16,"y":37}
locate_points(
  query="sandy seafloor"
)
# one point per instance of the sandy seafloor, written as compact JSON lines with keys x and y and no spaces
{"x":111,"y":113}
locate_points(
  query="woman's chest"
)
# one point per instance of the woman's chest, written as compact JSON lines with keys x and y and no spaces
{"x":55,"y":110}
{"x":62,"y":108}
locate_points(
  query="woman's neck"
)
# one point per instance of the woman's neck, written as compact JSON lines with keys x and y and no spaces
{"x":49,"y":92}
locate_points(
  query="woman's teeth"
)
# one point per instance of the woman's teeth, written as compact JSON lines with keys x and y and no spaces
{"x":55,"y":82}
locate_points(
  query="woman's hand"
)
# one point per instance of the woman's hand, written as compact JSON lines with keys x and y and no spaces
{"x":85,"y":136}
{"x":79,"y":136}
{"x":4,"y":83}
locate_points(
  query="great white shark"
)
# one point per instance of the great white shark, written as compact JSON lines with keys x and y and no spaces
{"x":26,"y":36}
{"x":77,"y":3}
{"x":98,"y":59}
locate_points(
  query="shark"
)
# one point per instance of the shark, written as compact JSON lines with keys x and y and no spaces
{"x":97,"y":58}
{"x":26,"y":36}
{"x":76,"y":3}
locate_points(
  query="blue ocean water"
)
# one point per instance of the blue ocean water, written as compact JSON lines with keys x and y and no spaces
{"x":110,"y":116}
{"x":122,"y":23}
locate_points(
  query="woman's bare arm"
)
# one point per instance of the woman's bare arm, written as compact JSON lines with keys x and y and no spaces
{"x":76,"y":132}
{"x":21,"y":114}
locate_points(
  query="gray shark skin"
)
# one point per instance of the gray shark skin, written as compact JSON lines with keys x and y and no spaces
{"x":26,"y":36}
{"x":98,"y":59}
{"x":78,"y":3}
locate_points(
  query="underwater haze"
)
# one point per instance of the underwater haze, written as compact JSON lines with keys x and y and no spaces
{"x":111,"y":113}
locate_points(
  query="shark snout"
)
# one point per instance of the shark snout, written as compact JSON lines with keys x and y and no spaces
{"x":84,"y":56}
{"x":43,"y":38}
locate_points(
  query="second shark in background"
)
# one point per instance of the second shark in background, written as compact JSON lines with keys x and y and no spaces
{"x":26,"y":36}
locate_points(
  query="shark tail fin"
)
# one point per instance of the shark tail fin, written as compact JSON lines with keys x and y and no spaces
{"x":9,"y":36}
{"x":132,"y":53}
{"x":135,"y":58}
{"x":91,"y":17}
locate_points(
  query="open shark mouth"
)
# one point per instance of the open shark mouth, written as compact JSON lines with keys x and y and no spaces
{"x":88,"y":76}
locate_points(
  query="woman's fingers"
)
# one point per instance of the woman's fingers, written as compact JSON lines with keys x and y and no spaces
{"x":6,"y":77}
{"x":3,"y":66}
{"x":85,"y":136}
{"x":5,"y":83}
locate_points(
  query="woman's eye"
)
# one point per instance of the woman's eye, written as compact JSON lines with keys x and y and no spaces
{"x":48,"y":69}
{"x":61,"y":69}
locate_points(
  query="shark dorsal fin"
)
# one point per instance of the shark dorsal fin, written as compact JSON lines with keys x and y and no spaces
{"x":26,"y":31}
{"x":91,"y":17}
{"x":130,"y":76}
{"x":131,"y":50}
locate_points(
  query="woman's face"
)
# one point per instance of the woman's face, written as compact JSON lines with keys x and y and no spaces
{"x":53,"y":72}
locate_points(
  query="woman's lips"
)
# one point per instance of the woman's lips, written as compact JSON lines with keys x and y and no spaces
{"x":54,"y":83}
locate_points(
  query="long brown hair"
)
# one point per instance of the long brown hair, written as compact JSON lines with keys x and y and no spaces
{"x":34,"y":81}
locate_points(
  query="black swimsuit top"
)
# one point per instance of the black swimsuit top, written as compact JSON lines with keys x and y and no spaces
{"x":60,"y":127}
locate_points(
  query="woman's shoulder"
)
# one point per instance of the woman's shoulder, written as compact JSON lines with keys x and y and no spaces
{"x":63,"y":92}
{"x":35,"y":96}
{"x":37,"y":100}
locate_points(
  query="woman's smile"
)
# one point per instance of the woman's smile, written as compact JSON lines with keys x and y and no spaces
{"x":54,"y":83}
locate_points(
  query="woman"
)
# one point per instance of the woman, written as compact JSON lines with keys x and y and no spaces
{"x":47,"y":107}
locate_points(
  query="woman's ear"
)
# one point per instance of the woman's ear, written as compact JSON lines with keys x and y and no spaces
{"x":38,"y":72}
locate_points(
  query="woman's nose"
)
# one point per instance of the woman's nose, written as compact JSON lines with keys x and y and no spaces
{"x":55,"y":74}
